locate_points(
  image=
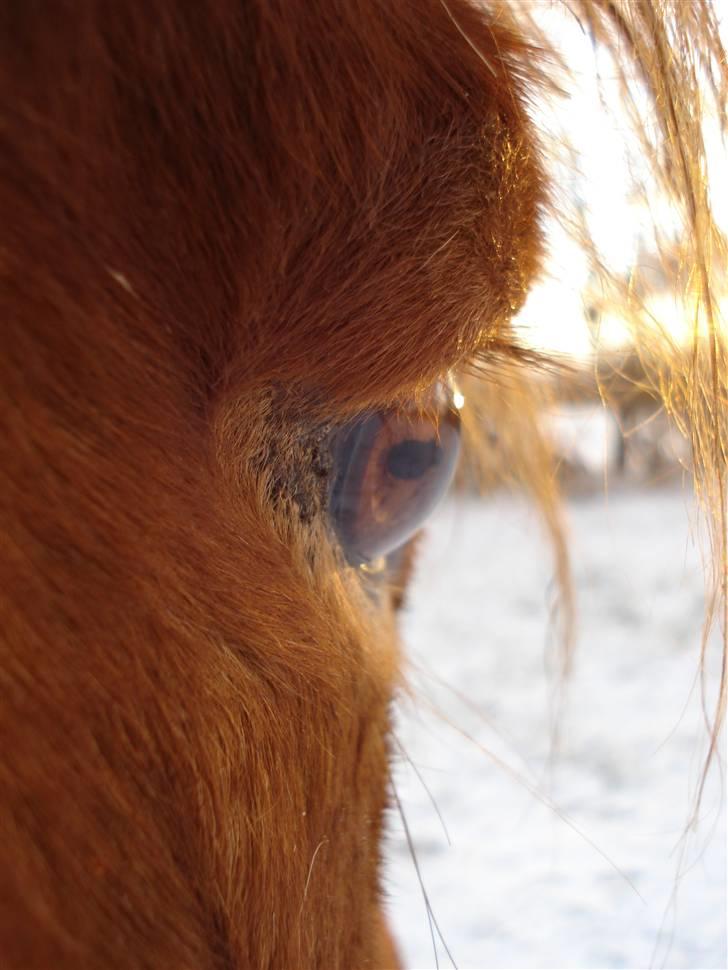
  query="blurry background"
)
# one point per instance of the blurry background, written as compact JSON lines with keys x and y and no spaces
{"x":549,"y":820}
{"x":543,"y":847}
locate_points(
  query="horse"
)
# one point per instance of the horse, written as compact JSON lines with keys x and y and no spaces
{"x":245,"y":246}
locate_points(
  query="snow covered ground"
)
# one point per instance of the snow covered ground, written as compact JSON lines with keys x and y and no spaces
{"x":569,"y":856}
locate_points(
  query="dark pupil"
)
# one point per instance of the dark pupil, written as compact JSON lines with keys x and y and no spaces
{"x":412,"y":458}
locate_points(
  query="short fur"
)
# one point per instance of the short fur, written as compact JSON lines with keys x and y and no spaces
{"x":225,"y":227}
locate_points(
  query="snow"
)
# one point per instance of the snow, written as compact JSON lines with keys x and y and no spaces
{"x":566,"y":852}
{"x":586,"y":436}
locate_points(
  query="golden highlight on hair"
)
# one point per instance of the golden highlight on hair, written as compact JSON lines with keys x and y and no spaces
{"x":672,"y":71}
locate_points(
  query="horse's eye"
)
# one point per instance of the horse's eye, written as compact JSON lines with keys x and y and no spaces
{"x":391,"y":469}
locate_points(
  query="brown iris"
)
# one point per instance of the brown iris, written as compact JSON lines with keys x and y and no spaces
{"x":392,"y":468}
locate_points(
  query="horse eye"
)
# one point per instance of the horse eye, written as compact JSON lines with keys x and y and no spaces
{"x":391,"y":470}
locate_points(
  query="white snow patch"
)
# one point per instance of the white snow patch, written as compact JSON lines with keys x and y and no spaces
{"x":520,"y":886}
{"x":587,"y":436}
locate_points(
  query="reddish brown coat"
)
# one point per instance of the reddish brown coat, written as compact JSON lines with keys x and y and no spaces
{"x":222,"y":226}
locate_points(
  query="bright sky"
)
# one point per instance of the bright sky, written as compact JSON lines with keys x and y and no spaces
{"x":553,"y":318}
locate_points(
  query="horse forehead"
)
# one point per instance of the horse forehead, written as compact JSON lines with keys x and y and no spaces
{"x":408,"y":193}
{"x":344,"y":196}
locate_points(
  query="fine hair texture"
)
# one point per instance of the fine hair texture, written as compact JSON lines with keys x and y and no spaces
{"x":224,"y":229}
